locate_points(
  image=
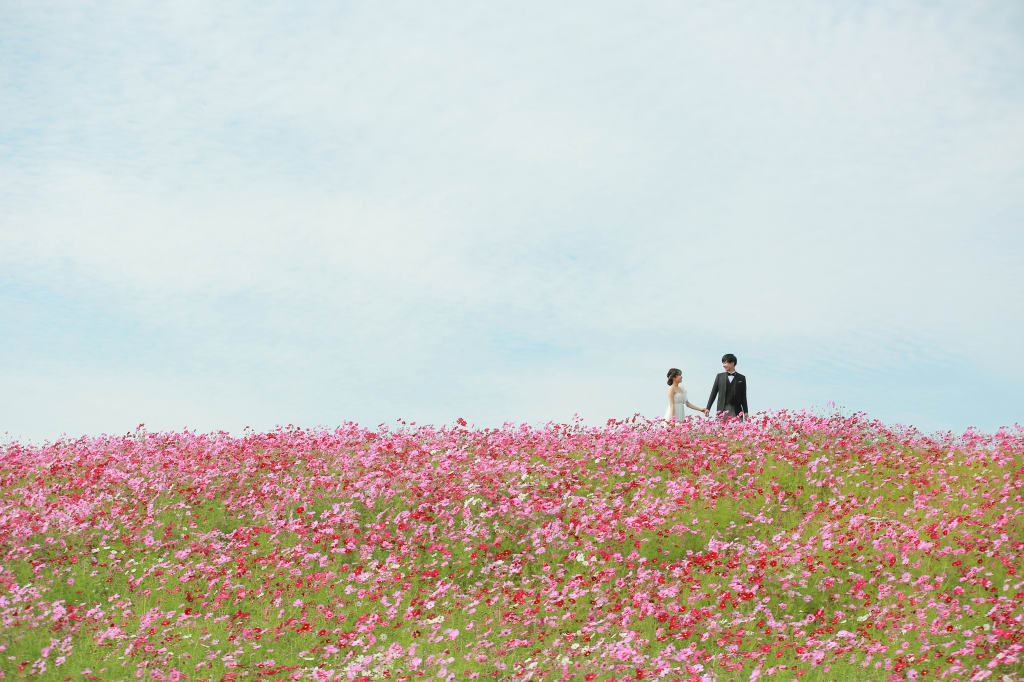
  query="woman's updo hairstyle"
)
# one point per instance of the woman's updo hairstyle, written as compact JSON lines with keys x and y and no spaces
{"x":672,"y":374}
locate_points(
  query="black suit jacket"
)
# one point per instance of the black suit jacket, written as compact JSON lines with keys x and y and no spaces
{"x":730,"y":393}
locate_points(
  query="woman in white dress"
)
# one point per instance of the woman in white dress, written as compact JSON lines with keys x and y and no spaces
{"x":677,"y":397}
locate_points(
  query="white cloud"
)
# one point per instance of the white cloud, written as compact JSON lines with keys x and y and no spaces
{"x":407,"y":179}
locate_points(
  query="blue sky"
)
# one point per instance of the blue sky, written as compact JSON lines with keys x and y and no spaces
{"x":219,"y":215}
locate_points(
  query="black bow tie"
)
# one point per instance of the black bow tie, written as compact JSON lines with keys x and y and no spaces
{"x":732,"y":374}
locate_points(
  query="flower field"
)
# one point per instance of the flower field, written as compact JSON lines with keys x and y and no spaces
{"x":791,"y":546}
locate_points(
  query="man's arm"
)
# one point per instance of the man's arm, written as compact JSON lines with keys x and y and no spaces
{"x":744,"y":407}
{"x":714,"y":392}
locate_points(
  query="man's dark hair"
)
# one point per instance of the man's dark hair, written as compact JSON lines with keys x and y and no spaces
{"x":729,"y":357}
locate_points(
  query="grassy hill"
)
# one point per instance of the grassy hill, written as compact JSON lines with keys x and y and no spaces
{"x":792,"y":546}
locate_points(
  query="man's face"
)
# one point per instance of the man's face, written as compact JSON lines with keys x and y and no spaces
{"x":729,"y":366}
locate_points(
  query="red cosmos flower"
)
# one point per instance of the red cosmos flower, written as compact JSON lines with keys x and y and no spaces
{"x":438,"y":465}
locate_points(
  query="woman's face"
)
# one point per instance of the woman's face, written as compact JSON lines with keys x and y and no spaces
{"x":676,"y":379}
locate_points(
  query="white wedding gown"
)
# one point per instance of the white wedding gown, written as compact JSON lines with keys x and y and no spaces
{"x":678,"y":407}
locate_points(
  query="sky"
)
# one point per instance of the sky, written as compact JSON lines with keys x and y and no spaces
{"x":227,"y":215}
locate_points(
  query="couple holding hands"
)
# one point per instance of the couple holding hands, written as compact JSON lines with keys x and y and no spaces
{"x":730,"y":388}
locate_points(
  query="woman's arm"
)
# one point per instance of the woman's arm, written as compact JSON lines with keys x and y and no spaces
{"x":699,"y":409}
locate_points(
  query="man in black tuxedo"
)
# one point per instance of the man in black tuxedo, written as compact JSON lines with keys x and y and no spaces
{"x":730,"y":388}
